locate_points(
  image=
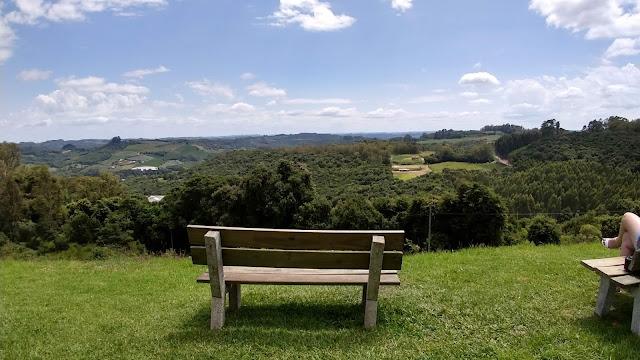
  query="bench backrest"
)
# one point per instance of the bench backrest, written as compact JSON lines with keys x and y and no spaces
{"x":288,"y":248}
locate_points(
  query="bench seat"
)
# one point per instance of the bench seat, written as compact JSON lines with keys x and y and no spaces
{"x":293,"y":276}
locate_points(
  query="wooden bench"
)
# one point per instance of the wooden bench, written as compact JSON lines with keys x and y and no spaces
{"x":613,"y":275}
{"x":236,"y":256}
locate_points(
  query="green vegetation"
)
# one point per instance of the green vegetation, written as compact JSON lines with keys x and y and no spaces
{"x":407,"y":159}
{"x":485,"y":138}
{"x":520,"y":302}
{"x":453,"y":165}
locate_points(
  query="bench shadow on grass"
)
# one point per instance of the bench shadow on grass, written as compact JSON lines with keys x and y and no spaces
{"x":614,"y":327}
{"x":258,"y":324}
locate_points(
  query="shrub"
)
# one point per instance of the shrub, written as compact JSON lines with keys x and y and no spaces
{"x":409,"y":247}
{"x":589,"y":233}
{"x":46,"y":247}
{"x":610,"y":225}
{"x":543,"y":230}
{"x":4,"y":239}
{"x":17,"y":251}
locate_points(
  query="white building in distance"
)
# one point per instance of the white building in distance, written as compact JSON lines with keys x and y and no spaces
{"x":145,"y":168}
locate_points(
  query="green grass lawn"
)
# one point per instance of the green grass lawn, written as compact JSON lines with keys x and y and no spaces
{"x":405,"y":176}
{"x":453,"y":165}
{"x":518,"y":302}
{"x":407,"y":159}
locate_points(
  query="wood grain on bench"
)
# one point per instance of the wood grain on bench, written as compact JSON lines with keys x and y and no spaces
{"x":293,"y":239}
{"x":275,"y":276}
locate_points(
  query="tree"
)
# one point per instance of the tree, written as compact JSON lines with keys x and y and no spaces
{"x":43,"y":199}
{"x":81,"y":229}
{"x":474,"y":216}
{"x":11,"y":204}
{"x":550,"y":127}
{"x":596,"y":125}
{"x":10,"y":156}
{"x":356,"y":213}
{"x":543,"y":230}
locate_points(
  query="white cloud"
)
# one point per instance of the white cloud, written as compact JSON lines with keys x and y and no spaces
{"x":623,"y":47}
{"x":96,"y":84}
{"x":272,"y":103}
{"x":386,"y":113}
{"x":600,"y":18}
{"x":428,"y":99}
{"x":478,"y":78}
{"x":261,"y":89}
{"x":80,"y":98}
{"x":334,"y":111}
{"x":402,"y":5}
{"x":34,"y":75}
{"x":300,"y":101}
{"x":602,"y":91}
{"x":469,"y":94}
{"x":237,"y":108}
{"x":144,"y":72}
{"x":180,"y":98}
{"x":477,"y":65}
{"x":207,"y":88}
{"x":248,"y":76}
{"x":312,"y":15}
{"x":242,"y":107}
{"x":480,"y":101}
{"x":7,"y":38}
{"x":31,"y":11}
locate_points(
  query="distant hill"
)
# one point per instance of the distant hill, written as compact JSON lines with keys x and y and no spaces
{"x":89,"y":157}
{"x":616,"y":148}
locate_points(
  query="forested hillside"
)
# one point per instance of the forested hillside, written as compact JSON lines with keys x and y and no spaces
{"x":617,"y":148}
{"x":564,"y":187}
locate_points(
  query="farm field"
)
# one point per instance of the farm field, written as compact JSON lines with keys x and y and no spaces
{"x":407,"y":159}
{"x":453,"y":165}
{"x":518,"y":302}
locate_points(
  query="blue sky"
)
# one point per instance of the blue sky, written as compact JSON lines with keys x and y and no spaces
{"x":77,"y":69}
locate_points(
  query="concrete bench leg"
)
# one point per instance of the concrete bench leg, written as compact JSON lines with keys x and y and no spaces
{"x":235,"y":297}
{"x":605,"y":295}
{"x":216,"y":278}
{"x":635,"y":318}
{"x":373,"y":283}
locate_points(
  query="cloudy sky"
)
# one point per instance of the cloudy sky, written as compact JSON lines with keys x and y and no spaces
{"x":77,"y":69}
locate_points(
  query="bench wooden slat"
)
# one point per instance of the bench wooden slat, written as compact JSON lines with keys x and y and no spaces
{"x":293,"y":239}
{"x":593,"y":263}
{"x":310,"y":259}
{"x":265,"y":270}
{"x":626,"y":281}
{"x":611,"y":271}
{"x":301,"y":278}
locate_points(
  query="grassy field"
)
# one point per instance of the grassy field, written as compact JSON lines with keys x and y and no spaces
{"x":405,"y":176}
{"x":453,"y":165}
{"x":518,"y":302}
{"x":407,"y":159}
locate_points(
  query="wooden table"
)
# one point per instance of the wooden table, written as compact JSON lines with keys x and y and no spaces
{"x":612,"y":276}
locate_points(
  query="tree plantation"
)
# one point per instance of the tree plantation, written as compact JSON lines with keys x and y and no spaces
{"x":563,"y":187}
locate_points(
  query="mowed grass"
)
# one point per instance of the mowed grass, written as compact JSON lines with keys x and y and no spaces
{"x":407,"y":159}
{"x":405,"y":176}
{"x":520,"y":302}
{"x":454,"y":165}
